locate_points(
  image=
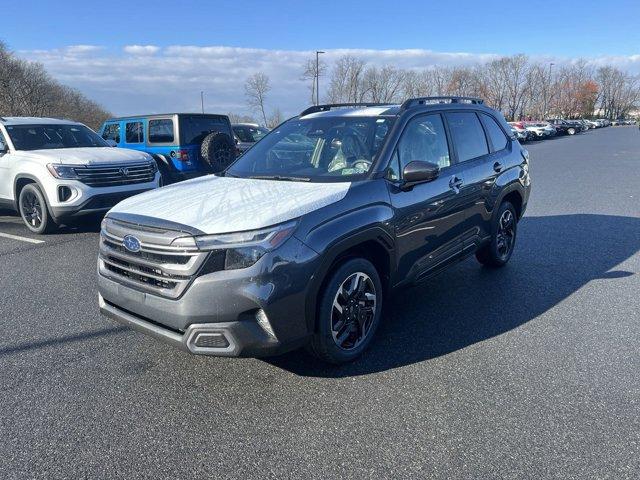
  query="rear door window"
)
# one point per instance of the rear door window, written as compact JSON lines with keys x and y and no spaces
{"x":467,"y":135}
{"x":495,"y":133}
{"x":111,"y":132}
{"x":134,"y":133}
{"x":161,"y":130}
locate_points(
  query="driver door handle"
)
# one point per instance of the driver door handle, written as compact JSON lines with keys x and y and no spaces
{"x":455,"y":183}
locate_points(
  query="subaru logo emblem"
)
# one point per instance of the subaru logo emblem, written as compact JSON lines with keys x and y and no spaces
{"x":131,"y":243}
{"x":124,"y":171}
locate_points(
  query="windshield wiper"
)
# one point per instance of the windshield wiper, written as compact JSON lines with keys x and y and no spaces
{"x":280,"y":177}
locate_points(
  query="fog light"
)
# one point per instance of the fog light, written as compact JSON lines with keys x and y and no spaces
{"x":263,"y":321}
{"x":64,"y":193}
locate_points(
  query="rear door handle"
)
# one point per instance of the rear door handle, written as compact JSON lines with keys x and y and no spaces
{"x":455,"y":183}
{"x":497,"y":167}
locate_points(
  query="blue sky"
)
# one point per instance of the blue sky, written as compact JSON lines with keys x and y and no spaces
{"x":567,"y":27}
{"x":147,"y":56}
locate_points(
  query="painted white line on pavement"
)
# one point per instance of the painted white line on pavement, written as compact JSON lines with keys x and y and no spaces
{"x":22,"y":239}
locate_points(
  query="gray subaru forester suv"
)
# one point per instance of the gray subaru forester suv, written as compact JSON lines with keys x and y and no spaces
{"x":300,"y":240}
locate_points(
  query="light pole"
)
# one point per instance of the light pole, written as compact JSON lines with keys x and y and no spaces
{"x":318,"y":52}
{"x":202,"y":100}
{"x":546,"y":90}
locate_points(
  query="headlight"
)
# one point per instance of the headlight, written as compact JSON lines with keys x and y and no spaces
{"x":243,"y":249}
{"x":62,"y":171}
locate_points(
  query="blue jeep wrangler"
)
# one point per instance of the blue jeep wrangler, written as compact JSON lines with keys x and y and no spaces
{"x":185,"y":145}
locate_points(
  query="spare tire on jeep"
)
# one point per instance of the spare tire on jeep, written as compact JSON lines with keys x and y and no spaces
{"x":218,"y":151}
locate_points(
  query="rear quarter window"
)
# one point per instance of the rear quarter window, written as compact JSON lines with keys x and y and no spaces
{"x":161,"y":131}
{"x":495,"y":133}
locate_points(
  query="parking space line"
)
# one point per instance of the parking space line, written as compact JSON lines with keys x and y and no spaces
{"x":21,"y":239}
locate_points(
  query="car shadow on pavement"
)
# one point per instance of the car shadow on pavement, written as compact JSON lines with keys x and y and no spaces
{"x":554,"y":257}
{"x":11,"y":222}
{"x":80,"y":337}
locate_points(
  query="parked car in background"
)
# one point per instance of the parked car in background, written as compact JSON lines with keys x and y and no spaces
{"x":184,"y":145}
{"x":56,"y":171}
{"x":622,"y":121}
{"x":564,"y":127}
{"x":540,"y":130}
{"x":246,"y":134}
{"x":522,"y":133}
{"x":291,"y":247}
{"x":605,"y":122}
{"x":585,"y":126}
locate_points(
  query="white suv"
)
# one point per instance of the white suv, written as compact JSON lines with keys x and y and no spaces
{"x":54,"y":171}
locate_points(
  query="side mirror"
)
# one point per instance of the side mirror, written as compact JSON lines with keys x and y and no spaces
{"x":111,"y":143}
{"x":419,"y":172}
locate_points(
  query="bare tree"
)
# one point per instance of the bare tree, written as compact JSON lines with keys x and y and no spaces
{"x":26,"y":89}
{"x":240,"y":118}
{"x":346,"y":84}
{"x":275,"y":119}
{"x":255,"y":89}
{"x":310,"y":73}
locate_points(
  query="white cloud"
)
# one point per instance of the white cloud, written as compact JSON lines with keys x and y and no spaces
{"x":148,"y":79}
{"x":141,"y":49}
{"x":81,"y":49}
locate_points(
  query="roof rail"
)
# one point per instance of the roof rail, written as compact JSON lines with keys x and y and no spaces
{"x":412,"y":102}
{"x":329,"y":106}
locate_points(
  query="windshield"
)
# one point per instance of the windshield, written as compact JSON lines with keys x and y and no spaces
{"x":41,"y":137}
{"x":319,"y":149}
{"x":250,"y":134}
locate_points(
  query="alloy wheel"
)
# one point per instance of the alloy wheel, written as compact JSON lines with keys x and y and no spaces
{"x":506,"y":234}
{"x":353,"y":312}
{"x":31,"y":209}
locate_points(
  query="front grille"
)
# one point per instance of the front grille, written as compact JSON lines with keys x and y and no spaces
{"x":115,"y":175}
{"x":117,"y":246}
{"x":158,"y":268}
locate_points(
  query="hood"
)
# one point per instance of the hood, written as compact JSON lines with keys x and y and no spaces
{"x":85,"y":156}
{"x":223,"y":204}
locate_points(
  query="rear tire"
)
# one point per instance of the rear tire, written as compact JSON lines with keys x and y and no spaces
{"x":34,"y":210}
{"x":497,"y":253}
{"x":349,"y":312}
{"x":218,"y":151}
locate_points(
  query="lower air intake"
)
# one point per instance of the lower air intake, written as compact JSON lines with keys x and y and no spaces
{"x":211,"y":340}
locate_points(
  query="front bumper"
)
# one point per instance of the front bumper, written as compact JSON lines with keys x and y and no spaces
{"x":95,"y":204}
{"x":87,"y":200}
{"x":230,"y":339}
{"x":228,"y":305}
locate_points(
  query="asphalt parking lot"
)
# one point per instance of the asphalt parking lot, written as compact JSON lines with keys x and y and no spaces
{"x":527,"y":372}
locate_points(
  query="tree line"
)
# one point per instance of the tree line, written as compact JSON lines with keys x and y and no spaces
{"x":26,"y":89}
{"x":514,"y":85}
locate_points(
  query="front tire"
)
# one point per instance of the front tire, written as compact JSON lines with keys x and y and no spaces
{"x":34,"y":211}
{"x":571,"y":131}
{"x":497,"y":253}
{"x":349,"y":312}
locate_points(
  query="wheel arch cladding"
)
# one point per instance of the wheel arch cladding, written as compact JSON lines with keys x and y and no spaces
{"x":515,"y":198}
